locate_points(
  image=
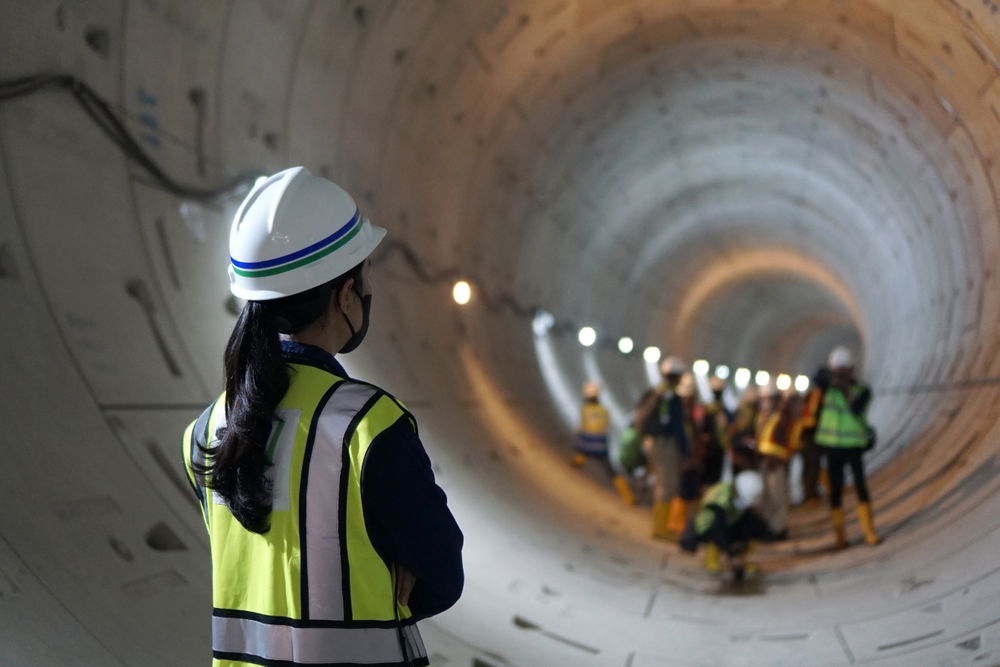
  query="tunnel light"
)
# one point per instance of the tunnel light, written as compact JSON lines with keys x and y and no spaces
{"x":762,"y":378}
{"x":625,"y":345}
{"x":742,"y":378}
{"x":542,"y":322}
{"x":784,"y":382}
{"x":802,"y":384}
{"x":651,"y":354}
{"x":722,"y":372}
{"x":462,"y":292}
{"x":260,"y":179}
{"x":587,"y":336}
{"x":700,"y":367}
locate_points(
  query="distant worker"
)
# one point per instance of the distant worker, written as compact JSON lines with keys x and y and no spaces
{"x":684,"y":506}
{"x":329,"y":536}
{"x":743,"y":432}
{"x":631,"y":455}
{"x":592,"y":439}
{"x":780,"y":438}
{"x":844,"y":435}
{"x":667,"y":449}
{"x":715,"y":424}
{"x":728,"y":523}
{"x":811,"y":453}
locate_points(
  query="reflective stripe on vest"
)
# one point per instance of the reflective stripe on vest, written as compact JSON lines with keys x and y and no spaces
{"x":312,"y":589}
{"x":838,"y":425}
{"x":768,"y":447}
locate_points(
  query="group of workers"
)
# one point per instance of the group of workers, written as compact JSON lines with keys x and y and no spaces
{"x":720,"y":477}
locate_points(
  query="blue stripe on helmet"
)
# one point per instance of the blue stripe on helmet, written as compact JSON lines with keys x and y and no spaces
{"x":267,"y":263}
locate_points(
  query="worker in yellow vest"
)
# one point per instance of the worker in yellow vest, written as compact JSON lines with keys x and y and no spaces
{"x":780,"y":438}
{"x":329,"y":536}
{"x":845,"y":436}
{"x":592,"y":439}
{"x":728,"y":523}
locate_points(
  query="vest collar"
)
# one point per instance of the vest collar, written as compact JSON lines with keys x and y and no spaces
{"x":310,"y":355}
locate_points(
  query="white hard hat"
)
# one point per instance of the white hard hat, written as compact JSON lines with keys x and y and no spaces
{"x":293,"y":232}
{"x":749,"y":489}
{"x":591,"y":389}
{"x":672,"y":366}
{"x":841,"y":358}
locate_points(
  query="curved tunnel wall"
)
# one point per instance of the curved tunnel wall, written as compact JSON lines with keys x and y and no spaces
{"x":600,"y":160}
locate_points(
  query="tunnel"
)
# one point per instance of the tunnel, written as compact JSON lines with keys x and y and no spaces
{"x":751,"y":182}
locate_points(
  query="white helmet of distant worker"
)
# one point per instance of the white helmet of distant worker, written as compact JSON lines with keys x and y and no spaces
{"x":293,"y":232}
{"x":841,"y":357}
{"x":749,"y":489}
{"x":672,"y":366}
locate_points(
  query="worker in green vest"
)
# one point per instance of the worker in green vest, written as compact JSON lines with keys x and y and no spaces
{"x":844,"y":434}
{"x":728,"y":523}
{"x":329,"y":536}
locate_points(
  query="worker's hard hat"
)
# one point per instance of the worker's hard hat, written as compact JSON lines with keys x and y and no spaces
{"x":591,"y":389}
{"x":717,"y":384}
{"x":841,"y":358}
{"x":293,"y":232}
{"x":672,"y":366}
{"x":749,"y":489}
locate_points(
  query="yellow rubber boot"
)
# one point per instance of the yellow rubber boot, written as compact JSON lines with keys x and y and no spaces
{"x":867,"y":524}
{"x":578,"y":460}
{"x":677,"y":517}
{"x":839,"y":534}
{"x":624,"y":490}
{"x":713,"y":559}
{"x":661,"y":514}
{"x":751,"y":568}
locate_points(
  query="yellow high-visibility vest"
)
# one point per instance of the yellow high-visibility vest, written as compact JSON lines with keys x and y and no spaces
{"x":768,"y":447}
{"x":312,"y":589}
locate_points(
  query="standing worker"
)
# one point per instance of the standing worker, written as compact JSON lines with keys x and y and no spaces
{"x":329,"y":536}
{"x":667,"y":450}
{"x":811,"y":456}
{"x":779,"y":439}
{"x":592,"y":439}
{"x":714,"y":430}
{"x":844,"y":435}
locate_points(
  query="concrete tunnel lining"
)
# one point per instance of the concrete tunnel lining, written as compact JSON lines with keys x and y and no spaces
{"x":470,"y":151}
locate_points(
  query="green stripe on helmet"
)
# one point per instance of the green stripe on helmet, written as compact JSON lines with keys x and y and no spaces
{"x":262,"y":273}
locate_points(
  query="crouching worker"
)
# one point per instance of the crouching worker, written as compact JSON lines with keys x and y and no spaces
{"x":728,"y":523}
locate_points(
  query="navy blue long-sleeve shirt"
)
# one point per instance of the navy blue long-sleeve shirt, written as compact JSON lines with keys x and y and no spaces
{"x":406,"y":512}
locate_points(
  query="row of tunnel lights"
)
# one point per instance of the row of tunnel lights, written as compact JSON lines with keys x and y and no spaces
{"x":462,"y":294}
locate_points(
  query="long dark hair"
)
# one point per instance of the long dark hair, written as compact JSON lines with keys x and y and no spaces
{"x":256,"y":381}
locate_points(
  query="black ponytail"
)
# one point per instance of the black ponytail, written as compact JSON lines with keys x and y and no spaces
{"x":256,"y":381}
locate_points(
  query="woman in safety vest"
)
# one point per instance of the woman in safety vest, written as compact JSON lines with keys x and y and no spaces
{"x":329,"y":536}
{"x":844,"y":435}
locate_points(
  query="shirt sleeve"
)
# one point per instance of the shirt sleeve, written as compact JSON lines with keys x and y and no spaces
{"x":408,"y":520}
{"x":677,"y":424}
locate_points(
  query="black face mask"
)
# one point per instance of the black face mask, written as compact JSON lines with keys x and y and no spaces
{"x":359,"y":335}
